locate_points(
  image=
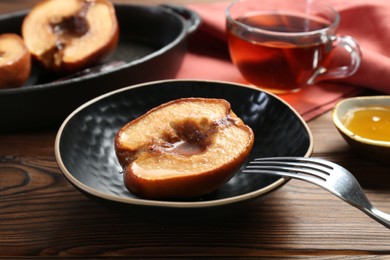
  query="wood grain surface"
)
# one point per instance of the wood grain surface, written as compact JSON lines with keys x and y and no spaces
{"x":43,"y":215}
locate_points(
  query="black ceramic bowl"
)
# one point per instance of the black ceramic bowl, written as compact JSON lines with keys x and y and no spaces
{"x":84,"y":146}
{"x":152,"y":45}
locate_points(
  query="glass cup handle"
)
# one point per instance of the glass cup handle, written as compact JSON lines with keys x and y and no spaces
{"x":352,"y":47}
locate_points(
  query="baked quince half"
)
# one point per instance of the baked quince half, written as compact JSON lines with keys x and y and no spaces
{"x":181,"y":149}
{"x":15,"y":61}
{"x":68,"y":36}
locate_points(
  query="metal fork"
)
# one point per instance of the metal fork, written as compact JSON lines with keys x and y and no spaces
{"x":327,"y":175}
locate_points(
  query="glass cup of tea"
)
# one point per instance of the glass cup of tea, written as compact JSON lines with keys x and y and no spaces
{"x":285,"y":45}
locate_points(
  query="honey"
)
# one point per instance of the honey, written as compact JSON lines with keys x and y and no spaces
{"x":370,"y":122}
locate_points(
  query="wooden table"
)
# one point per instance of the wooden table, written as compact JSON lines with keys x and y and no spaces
{"x":41,"y":214}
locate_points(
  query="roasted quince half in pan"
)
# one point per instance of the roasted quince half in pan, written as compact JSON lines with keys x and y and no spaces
{"x":68,"y":36}
{"x":15,"y":62}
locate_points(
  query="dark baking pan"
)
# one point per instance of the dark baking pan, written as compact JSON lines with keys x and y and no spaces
{"x":152,"y":45}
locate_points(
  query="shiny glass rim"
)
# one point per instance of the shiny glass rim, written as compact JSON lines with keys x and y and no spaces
{"x":334,"y":24}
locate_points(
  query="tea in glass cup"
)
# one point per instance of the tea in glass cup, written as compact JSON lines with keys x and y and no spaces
{"x":285,"y":45}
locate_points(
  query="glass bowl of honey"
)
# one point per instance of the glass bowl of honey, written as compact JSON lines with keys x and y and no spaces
{"x":364,"y":122}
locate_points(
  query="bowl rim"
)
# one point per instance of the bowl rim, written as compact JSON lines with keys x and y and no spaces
{"x":358,"y":101}
{"x":166,"y":203}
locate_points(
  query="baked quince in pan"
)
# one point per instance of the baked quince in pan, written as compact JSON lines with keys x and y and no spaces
{"x":68,"y":36}
{"x":15,"y":61}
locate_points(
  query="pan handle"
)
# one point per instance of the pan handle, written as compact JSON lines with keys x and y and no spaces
{"x":193,"y":19}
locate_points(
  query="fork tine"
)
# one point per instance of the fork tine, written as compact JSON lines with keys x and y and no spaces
{"x":297,"y":165}
{"x":307,"y":178}
{"x":305,"y":175}
{"x":311,"y":170}
{"x":308,"y":161}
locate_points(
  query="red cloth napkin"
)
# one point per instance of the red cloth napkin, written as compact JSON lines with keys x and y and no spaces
{"x":368,"y":21}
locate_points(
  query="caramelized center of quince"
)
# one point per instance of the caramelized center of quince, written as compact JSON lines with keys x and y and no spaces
{"x":65,"y":29}
{"x":186,"y":137}
{"x":75,"y":25}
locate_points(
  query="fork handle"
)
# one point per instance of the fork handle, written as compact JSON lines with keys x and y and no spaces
{"x":379,"y":216}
